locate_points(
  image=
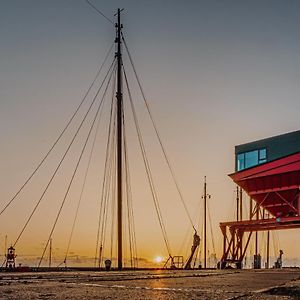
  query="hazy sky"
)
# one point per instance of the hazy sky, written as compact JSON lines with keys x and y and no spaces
{"x":216,"y":74}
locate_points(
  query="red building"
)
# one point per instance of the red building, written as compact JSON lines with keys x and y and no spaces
{"x":268,"y":171}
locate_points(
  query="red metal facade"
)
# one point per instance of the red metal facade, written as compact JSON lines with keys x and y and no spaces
{"x":274,"y":185}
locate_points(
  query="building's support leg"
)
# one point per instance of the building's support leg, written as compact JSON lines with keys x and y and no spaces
{"x":227,"y":245}
{"x":299,"y":202}
{"x":268,"y":250}
{"x":232,"y":232}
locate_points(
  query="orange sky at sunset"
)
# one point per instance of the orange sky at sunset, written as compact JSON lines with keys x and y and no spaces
{"x":215,"y":74}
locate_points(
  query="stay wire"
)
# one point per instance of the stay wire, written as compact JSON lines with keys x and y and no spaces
{"x":201,"y":227}
{"x":148,"y":171}
{"x":113,"y":173}
{"x":113,"y":207}
{"x":76,"y":168}
{"x":113,"y":177}
{"x":107,"y":178}
{"x":111,"y":186}
{"x":99,"y":12}
{"x":60,"y":135}
{"x":109,"y":189}
{"x":104,"y":176}
{"x":79,"y":201}
{"x":83,"y":187}
{"x":63,"y":157}
{"x":130,"y":215}
{"x":158,"y":136}
{"x":113,"y":180}
{"x":211,"y":228}
{"x":125,"y":168}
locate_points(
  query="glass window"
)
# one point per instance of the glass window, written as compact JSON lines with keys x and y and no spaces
{"x":261,"y":161}
{"x":241,"y":161}
{"x":251,"y":159}
{"x":262,"y":154}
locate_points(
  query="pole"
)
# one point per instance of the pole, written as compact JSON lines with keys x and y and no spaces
{"x":241,"y":219}
{"x":5,"y":244}
{"x":241,"y":204}
{"x":205,"y":222}
{"x":268,"y":247}
{"x":50,"y":253}
{"x":268,"y":250}
{"x":119,"y":97}
{"x":237,"y":203}
{"x":256,"y":233}
{"x":100,"y":256}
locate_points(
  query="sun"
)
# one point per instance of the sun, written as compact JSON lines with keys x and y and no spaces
{"x":158,"y":259}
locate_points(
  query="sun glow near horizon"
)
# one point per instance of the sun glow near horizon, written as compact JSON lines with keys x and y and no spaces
{"x":158,"y":259}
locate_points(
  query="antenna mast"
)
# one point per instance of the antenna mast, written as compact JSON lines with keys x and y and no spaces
{"x":205,"y":196}
{"x":205,"y":205}
{"x":119,"y":96}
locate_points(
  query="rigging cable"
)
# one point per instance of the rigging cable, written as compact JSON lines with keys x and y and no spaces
{"x":148,"y":171}
{"x":99,"y":12}
{"x":126,"y":188}
{"x":76,"y":168}
{"x":82,"y":189}
{"x":62,"y":159}
{"x":211,"y":228}
{"x":201,"y":226}
{"x":112,"y":184}
{"x":109,"y":187}
{"x":159,"y":137}
{"x":60,"y":135}
{"x":103,"y":200}
{"x":113,"y":176}
{"x":130,"y":215}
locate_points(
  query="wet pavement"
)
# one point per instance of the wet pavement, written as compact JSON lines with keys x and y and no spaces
{"x":166,"y":284}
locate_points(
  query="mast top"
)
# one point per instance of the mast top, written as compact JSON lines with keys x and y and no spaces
{"x":119,"y":10}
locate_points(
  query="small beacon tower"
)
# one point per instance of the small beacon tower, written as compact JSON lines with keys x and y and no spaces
{"x":10,"y":258}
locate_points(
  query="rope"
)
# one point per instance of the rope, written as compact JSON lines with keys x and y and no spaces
{"x":110,"y":185}
{"x":99,"y":12}
{"x":127,"y":185}
{"x":75,"y":170}
{"x":159,"y":137}
{"x":201,"y":225}
{"x":130,"y":215}
{"x":113,"y":186}
{"x":148,"y":170}
{"x":104,"y":189}
{"x":61,"y":161}
{"x":82,"y":189}
{"x":211,"y":228}
{"x":60,"y":135}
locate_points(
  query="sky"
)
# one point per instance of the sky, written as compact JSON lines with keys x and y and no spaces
{"x":215,"y":73}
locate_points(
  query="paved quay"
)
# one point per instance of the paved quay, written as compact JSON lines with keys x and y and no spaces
{"x":166,"y":284}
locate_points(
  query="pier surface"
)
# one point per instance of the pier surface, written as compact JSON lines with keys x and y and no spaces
{"x":166,"y":284}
